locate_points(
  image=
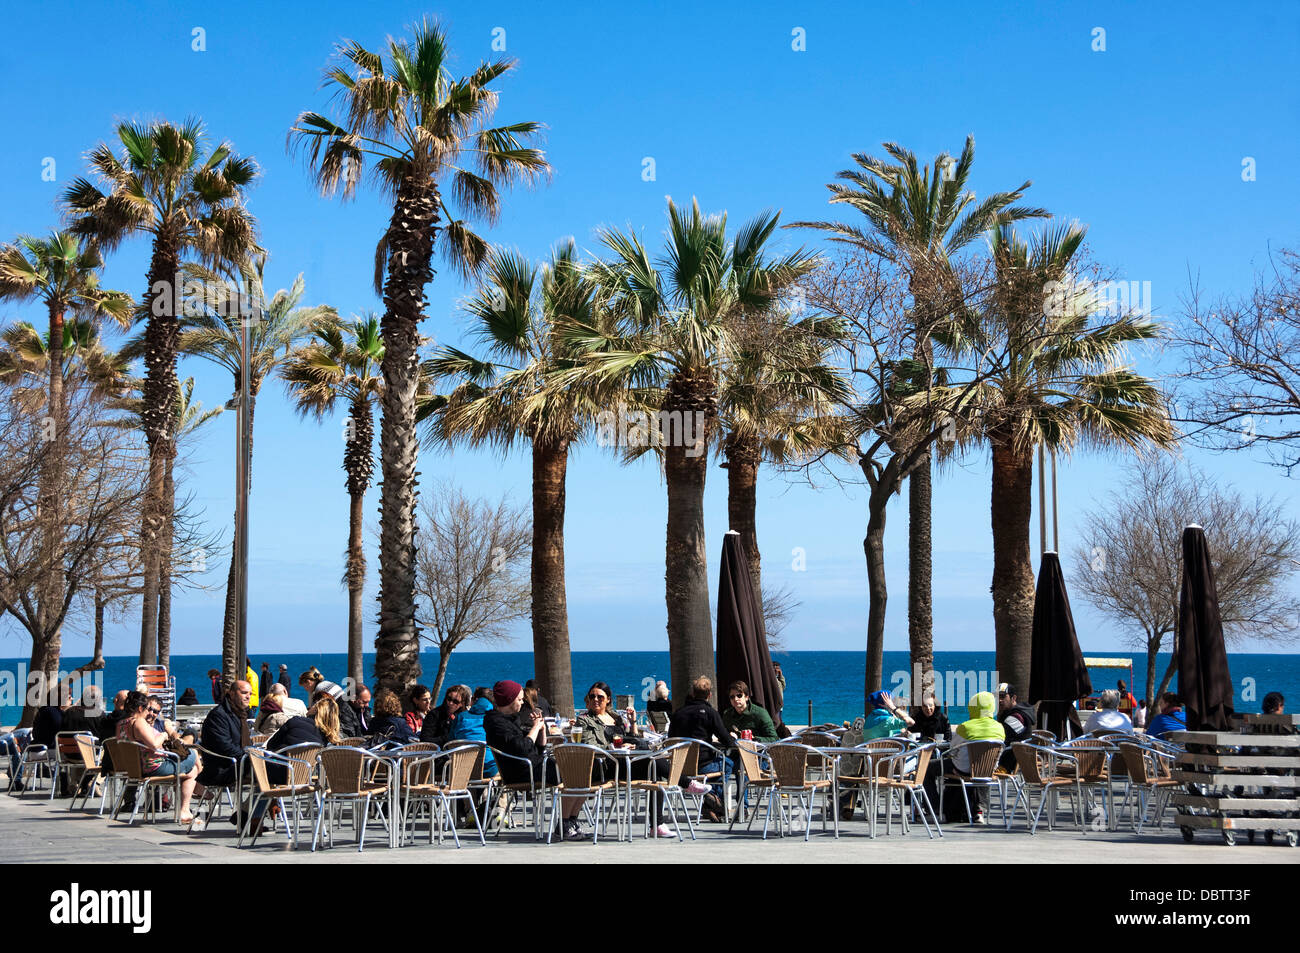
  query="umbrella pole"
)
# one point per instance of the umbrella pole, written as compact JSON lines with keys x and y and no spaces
{"x":1042,"y":504}
{"x":1056,"y":529}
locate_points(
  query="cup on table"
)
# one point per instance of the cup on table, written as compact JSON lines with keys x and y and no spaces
{"x":747,"y":734}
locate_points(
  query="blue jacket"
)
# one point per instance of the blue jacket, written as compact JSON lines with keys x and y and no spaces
{"x":1165,"y":723}
{"x":469,"y":727}
{"x":881,"y":723}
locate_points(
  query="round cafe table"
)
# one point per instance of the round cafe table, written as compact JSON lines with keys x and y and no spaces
{"x":626,"y":757}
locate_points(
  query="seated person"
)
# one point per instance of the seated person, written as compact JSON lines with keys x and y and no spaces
{"x":930,"y":721}
{"x":982,"y":726}
{"x":469,"y":727}
{"x":885,"y":717}
{"x":439,"y":723}
{"x":1109,"y":717}
{"x":1170,"y":718}
{"x":658,"y":708}
{"x":320,"y":726}
{"x":742,"y":715}
{"x":225,"y":732}
{"x":389,"y":724}
{"x":421,"y":702}
{"x":501,"y":726}
{"x":699,"y":720}
{"x":601,"y":725}
{"x":533,"y":696}
{"x":277,"y":708}
{"x":134,"y":726}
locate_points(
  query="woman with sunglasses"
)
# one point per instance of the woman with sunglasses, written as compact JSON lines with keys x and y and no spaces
{"x":743,"y":715}
{"x":604,"y":727}
{"x":135,"y":726}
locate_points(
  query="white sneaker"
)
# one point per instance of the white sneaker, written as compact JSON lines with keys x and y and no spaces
{"x":697,"y":787}
{"x":663,"y":830}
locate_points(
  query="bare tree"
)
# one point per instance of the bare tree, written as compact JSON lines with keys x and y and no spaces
{"x":472,"y":560}
{"x":101,"y":476}
{"x":1244,"y":353}
{"x":1129,"y":560}
{"x":778,"y":607}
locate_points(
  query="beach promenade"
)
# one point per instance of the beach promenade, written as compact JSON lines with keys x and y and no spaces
{"x":35,"y":831}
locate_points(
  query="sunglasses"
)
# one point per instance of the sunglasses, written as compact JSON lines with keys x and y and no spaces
{"x":739,"y":696}
{"x":155,"y":711}
{"x":597,"y":697}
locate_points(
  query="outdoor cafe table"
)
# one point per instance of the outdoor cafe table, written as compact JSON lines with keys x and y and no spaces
{"x":628,"y":756}
{"x":395,"y":758}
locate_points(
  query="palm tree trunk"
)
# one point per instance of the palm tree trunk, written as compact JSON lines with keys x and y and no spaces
{"x":686,"y":572}
{"x":1013,"y":571}
{"x":920,"y":575}
{"x":359,"y":464}
{"x":165,"y":566}
{"x":551,"y":662}
{"x":743,"y":459}
{"x":411,"y":232}
{"x":158,"y":418}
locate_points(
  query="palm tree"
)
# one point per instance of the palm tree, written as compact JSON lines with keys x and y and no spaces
{"x":777,"y":403}
{"x":165,"y":184}
{"x":1063,"y":382}
{"x":64,"y":275}
{"x":320,"y":374}
{"x":503,"y":398}
{"x":676,"y":322}
{"x":421,"y":129}
{"x":918,"y":218}
{"x":211,"y":329}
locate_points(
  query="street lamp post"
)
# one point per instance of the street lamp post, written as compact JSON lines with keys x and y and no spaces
{"x":243,"y":456}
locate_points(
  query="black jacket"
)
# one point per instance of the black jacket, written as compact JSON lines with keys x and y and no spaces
{"x":46,"y":725}
{"x":349,"y":723}
{"x":505,"y":735}
{"x":1019,"y":723}
{"x":438,"y":725}
{"x":223,"y":733}
{"x":931,"y":726}
{"x":699,"y":720}
{"x":298,"y":730}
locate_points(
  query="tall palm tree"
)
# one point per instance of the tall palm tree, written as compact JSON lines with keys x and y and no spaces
{"x":212,"y":329}
{"x":777,"y":403}
{"x":918,"y":217}
{"x":63,"y":274}
{"x":1064,"y":381}
{"x":503,"y":397}
{"x":422,"y":130}
{"x":342,"y":364}
{"x":676,"y":323}
{"x":166,"y":184}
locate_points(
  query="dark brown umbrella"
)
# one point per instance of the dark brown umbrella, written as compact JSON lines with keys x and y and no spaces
{"x":742,"y":649}
{"x":1057,"y":676}
{"x":1203,"y":678}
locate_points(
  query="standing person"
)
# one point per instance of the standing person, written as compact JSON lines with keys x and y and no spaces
{"x":313,"y":681}
{"x":214,"y":676}
{"x":264,"y":680}
{"x":778,"y":704}
{"x":284,"y":678}
{"x":1126,"y":699}
{"x":1140,"y":715}
{"x":251,"y":677}
{"x":421,"y":702}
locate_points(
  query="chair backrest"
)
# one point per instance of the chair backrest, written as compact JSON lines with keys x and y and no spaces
{"x":1044,"y":737}
{"x":460,"y":767}
{"x":691,"y":762}
{"x":659,"y":721}
{"x":341,"y":768}
{"x":480,"y":749}
{"x":984,"y":758}
{"x":304,"y":762}
{"x":66,"y":742}
{"x":127,"y":756}
{"x":677,"y":762}
{"x":1091,"y":756}
{"x":355,"y":743}
{"x":151,"y":678}
{"x":574,"y":764}
{"x":818,"y":739}
{"x":86,"y":751}
{"x":1028,"y":759}
{"x":258,"y":740}
{"x":749,"y":760}
{"x":790,"y":763}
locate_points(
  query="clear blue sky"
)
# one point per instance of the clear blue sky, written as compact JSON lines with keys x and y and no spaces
{"x":1144,"y":142}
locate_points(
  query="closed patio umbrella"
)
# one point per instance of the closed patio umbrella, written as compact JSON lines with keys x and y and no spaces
{"x":742,"y":649}
{"x":1203,"y":678}
{"x":1057,"y":676}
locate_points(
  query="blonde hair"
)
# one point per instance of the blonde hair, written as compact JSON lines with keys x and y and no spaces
{"x":325,"y":713}
{"x":311,"y":677}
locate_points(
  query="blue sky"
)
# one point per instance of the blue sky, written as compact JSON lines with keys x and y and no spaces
{"x":1143,"y":141}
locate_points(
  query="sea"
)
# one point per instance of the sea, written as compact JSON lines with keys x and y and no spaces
{"x":820,"y":686}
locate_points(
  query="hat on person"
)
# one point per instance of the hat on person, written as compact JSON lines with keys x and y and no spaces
{"x":1006,"y":688}
{"x":503,"y":693}
{"x":283,"y":667}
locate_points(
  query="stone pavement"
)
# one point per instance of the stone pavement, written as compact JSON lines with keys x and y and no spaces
{"x":36,"y":830}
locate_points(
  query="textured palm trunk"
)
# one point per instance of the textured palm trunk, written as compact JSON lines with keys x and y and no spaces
{"x":920,"y":575}
{"x":743,"y":459}
{"x":551,"y":662}
{"x":158,"y":413}
{"x":1013,"y":571}
{"x":165,"y":562}
{"x":232,"y":666}
{"x":359,"y":464}
{"x":410,"y":236}
{"x":686,"y":569}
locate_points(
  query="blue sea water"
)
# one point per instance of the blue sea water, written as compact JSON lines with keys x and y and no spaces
{"x":830,"y":682}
